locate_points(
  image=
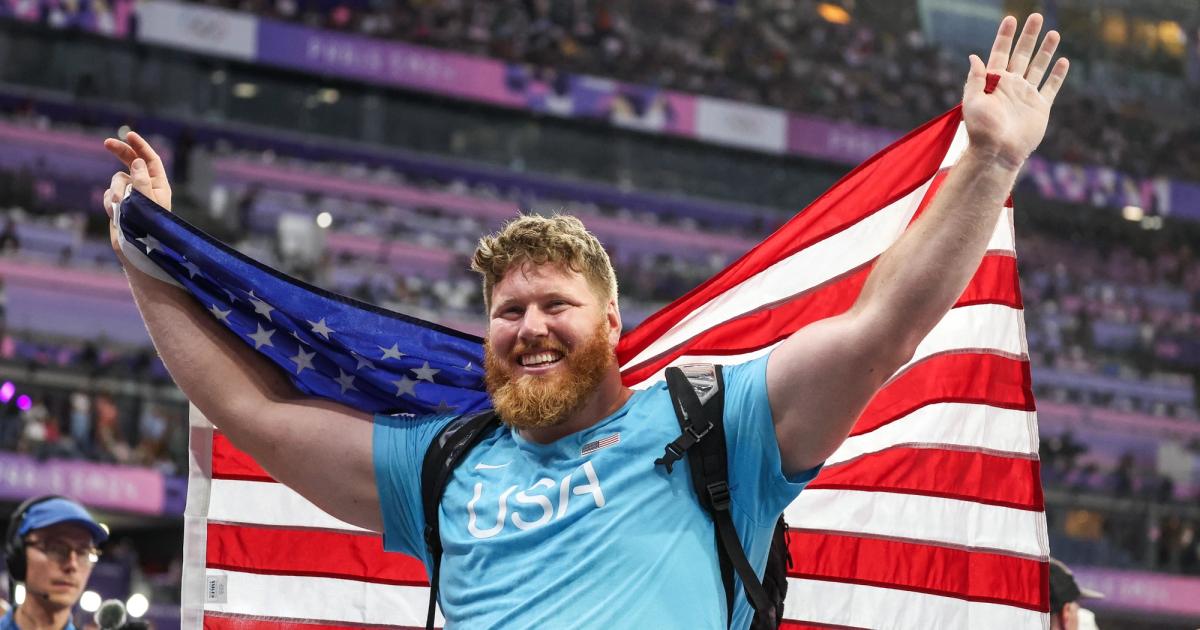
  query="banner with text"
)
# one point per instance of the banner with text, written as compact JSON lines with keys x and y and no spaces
{"x":1142,"y":591}
{"x":104,"y":486}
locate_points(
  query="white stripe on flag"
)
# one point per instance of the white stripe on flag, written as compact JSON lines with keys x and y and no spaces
{"x":980,"y":327}
{"x":957,"y":146}
{"x":807,"y":268}
{"x":321,"y":599}
{"x":963,"y":425}
{"x":1003,"y":238}
{"x":917,"y":518}
{"x":267,"y":503}
{"x":985,"y":327}
{"x":861,"y":606}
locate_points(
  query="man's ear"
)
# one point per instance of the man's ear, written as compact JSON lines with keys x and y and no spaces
{"x":613,"y":316}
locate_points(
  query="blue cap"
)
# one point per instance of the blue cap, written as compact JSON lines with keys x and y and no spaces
{"x":55,"y":511}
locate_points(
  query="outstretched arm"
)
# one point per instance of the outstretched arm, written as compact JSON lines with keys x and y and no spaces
{"x":821,"y":378}
{"x":317,"y":447}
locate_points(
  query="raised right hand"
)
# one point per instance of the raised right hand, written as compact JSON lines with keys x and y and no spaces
{"x":146,"y":174}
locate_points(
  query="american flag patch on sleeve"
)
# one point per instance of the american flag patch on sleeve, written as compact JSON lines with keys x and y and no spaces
{"x":595,"y":445}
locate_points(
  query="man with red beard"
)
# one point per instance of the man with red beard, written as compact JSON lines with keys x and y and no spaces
{"x":560,"y":517}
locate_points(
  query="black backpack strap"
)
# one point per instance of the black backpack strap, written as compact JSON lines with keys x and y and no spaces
{"x":699,"y":400}
{"x":454,"y":441}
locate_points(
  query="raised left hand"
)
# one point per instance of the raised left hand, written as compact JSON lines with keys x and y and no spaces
{"x":1009,"y":123}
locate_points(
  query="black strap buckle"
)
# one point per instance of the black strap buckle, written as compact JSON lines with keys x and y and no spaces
{"x":673,"y":453}
{"x":718,"y":494}
{"x":698,"y":436}
{"x":675,"y":450}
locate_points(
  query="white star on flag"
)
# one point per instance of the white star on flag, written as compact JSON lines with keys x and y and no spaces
{"x":262,"y":337}
{"x":321,"y":328}
{"x":232,"y":298}
{"x":219,"y":314}
{"x":391,"y":353}
{"x":303,"y":360}
{"x":405,"y":386}
{"x":261,"y":307}
{"x":345,"y":380}
{"x":363,"y":362}
{"x":425,"y":373}
{"x":151,"y":243}
{"x":192,"y":268}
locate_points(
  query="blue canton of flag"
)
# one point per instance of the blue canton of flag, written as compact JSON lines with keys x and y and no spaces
{"x":330,"y":346}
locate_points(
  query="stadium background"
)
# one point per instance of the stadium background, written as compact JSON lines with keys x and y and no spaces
{"x":365,"y":144}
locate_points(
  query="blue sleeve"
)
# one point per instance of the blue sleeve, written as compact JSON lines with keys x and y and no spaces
{"x":757,"y":482}
{"x":399,"y":446}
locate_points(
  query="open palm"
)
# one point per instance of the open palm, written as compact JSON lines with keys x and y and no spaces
{"x":1009,"y":121}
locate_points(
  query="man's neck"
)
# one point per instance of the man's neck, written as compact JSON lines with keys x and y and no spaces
{"x":609,"y":396}
{"x":31,"y":616}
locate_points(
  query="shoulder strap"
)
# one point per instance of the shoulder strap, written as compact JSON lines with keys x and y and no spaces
{"x":698,"y":396}
{"x":455,"y":440}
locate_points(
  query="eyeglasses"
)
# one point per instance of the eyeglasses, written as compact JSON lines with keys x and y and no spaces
{"x":60,"y":552}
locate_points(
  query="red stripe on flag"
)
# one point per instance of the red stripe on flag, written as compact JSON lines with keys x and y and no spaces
{"x":307,"y":552}
{"x":938,"y":472}
{"x":981,"y":378}
{"x":995,"y":282}
{"x":975,"y":576}
{"x":885,"y":177}
{"x":219,"y":621}
{"x":229,"y":462}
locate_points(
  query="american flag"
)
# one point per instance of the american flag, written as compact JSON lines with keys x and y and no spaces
{"x":595,"y":445}
{"x":930,"y":515}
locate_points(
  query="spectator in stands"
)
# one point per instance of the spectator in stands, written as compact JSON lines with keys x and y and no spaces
{"x":1065,"y":594}
{"x":9,"y":242}
{"x":50,"y":548}
{"x":40,"y":433}
{"x":81,"y":423}
{"x":108,"y":434}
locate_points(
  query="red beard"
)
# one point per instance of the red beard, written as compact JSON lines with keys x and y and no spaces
{"x":534,"y":402}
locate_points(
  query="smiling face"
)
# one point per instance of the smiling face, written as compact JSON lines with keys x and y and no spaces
{"x":549,"y":345}
{"x":55,"y":582}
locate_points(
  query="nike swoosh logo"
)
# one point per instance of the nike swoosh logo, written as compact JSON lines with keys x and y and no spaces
{"x":490,"y":466}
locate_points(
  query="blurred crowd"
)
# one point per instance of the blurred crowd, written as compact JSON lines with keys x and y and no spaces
{"x":80,"y":422}
{"x":791,"y":54}
{"x":1110,"y":310}
{"x":1146,"y":525}
{"x":101,"y":427}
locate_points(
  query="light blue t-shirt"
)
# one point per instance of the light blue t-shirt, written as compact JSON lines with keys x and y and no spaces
{"x":587,"y":532}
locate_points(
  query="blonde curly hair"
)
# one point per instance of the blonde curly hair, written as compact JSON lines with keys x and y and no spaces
{"x":561,"y":240}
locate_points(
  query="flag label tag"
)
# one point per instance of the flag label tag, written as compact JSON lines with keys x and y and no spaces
{"x":214,"y":589}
